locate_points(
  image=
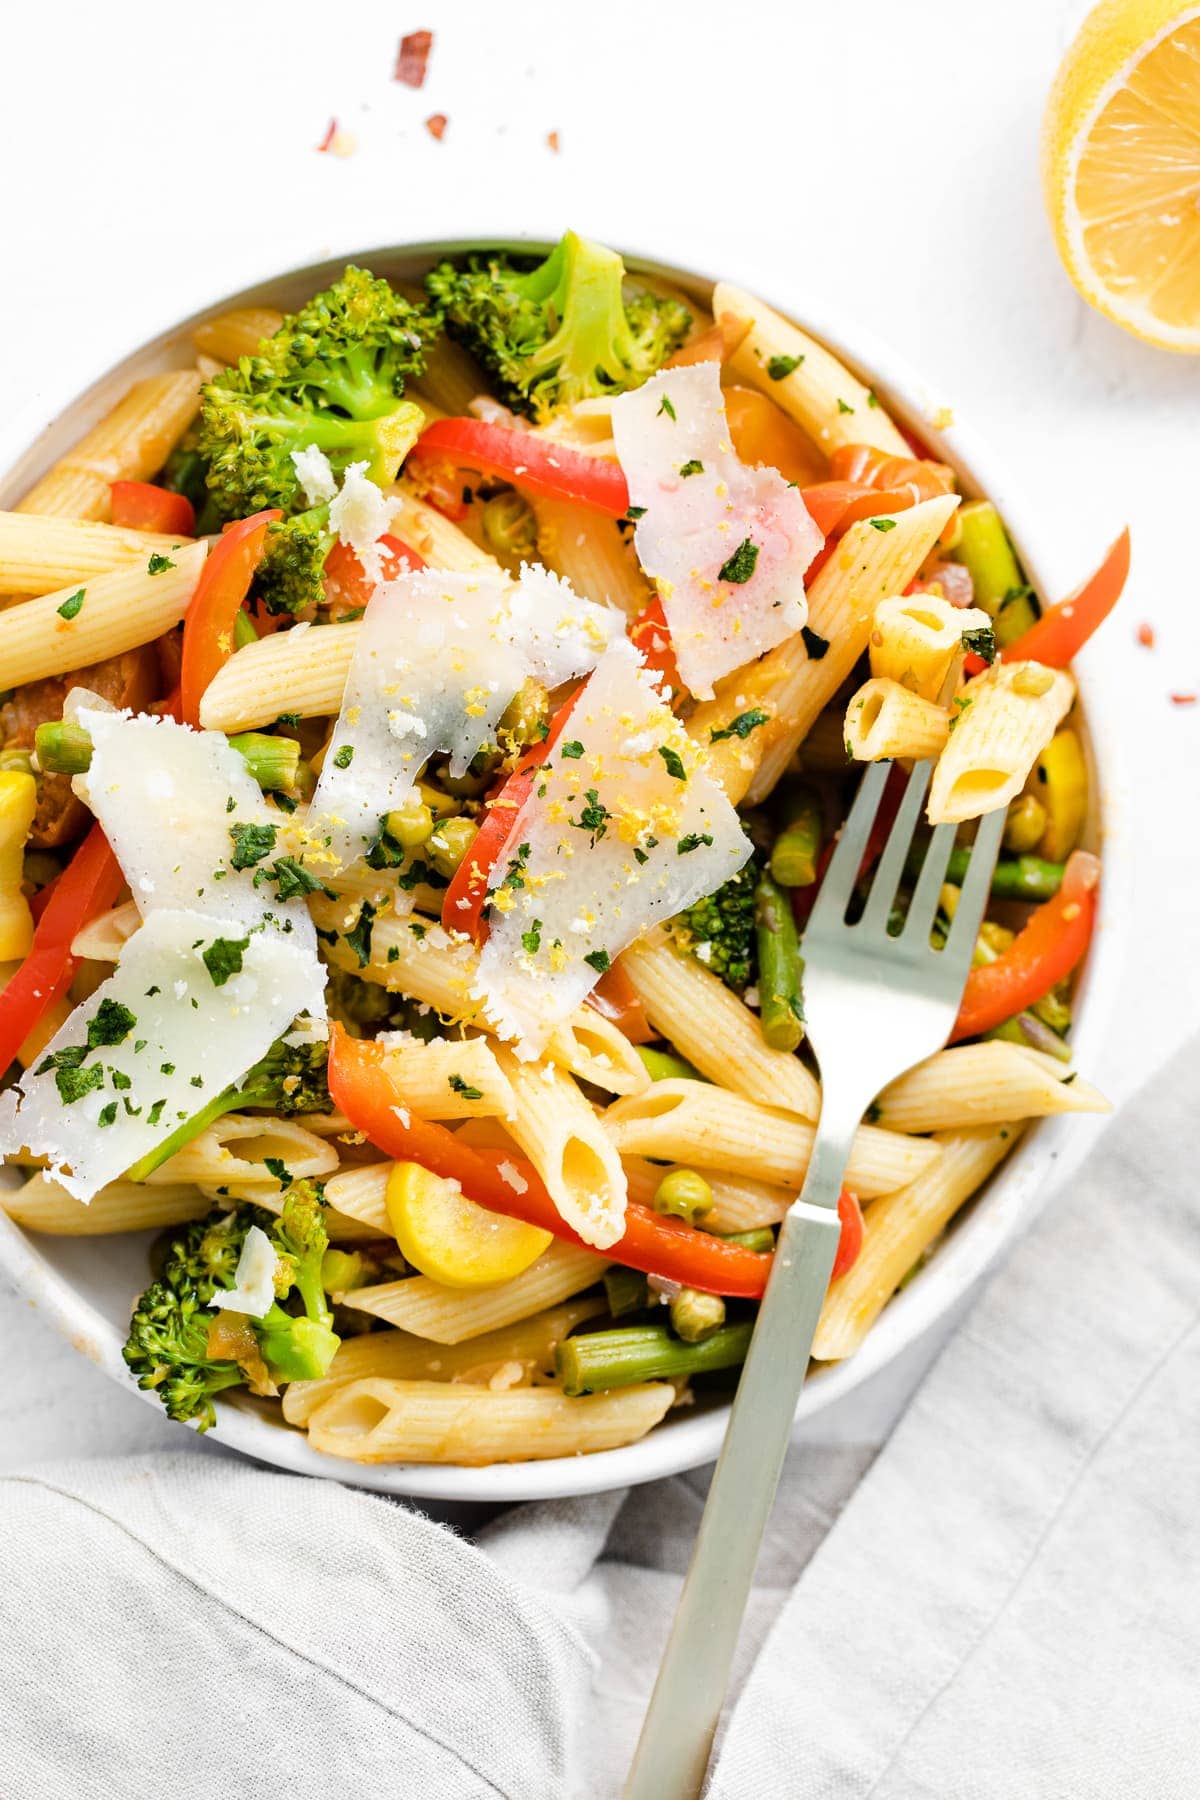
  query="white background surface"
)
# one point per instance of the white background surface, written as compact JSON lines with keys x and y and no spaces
{"x":879,"y":160}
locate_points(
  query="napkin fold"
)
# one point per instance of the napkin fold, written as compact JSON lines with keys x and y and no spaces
{"x":1006,"y":1608}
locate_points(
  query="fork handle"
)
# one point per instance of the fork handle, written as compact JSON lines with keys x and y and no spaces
{"x":676,"y":1739}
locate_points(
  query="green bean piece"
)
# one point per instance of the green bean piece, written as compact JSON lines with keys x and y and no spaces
{"x":779,"y":966}
{"x":664,"y":1065}
{"x":760,"y":1238}
{"x":985,"y":551}
{"x":63,"y":748}
{"x":683,"y":1195}
{"x":599,"y":1360}
{"x":695,"y":1315}
{"x":795,"y":851}
{"x":1014,"y":877}
{"x":273,"y":761}
{"x":450,"y":843}
{"x":244,"y":631}
{"x":627,"y":1290}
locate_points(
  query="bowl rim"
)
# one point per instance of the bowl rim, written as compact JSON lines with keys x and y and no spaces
{"x":1048,"y":1153}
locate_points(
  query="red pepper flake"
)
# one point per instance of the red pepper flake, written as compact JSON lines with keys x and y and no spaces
{"x":1184,"y":699}
{"x":552,"y":141}
{"x":436,"y":125}
{"x":1145,"y":636}
{"x":327,"y":141}
{"x":412,"y":57}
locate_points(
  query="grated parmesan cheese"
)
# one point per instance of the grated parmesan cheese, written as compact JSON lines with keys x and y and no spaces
{"x":360,"y":515}
{"x":314,"y":475}
{"x":705,"y":511}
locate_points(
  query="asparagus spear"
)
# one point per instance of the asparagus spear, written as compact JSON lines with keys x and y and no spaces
{"x":664,"y":1065}
{"x":609,"y":1359}
{"x":1014,"y":877}
{"x":274,"y":762}
{"x":795,"y":851}
{"x":625,"y":1289}
{"x":779,"y":966}
{"x":1000,"y":588}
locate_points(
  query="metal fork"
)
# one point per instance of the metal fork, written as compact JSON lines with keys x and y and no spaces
{"x":875,"y":1005}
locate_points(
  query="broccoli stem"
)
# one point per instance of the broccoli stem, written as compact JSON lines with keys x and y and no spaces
{"x":599,"y":1360}
{"x":795,"y":851}
{"x":779,"y":966}
{"x":183,"y":1134}
{"x":274,"y":762}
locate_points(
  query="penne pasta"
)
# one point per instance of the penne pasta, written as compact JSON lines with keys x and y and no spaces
{"x":130,"y":443}
{"x":711,"y":1027}
{"x":900,"y":1228}
{"x":558,"y":1131}
{"x":450,"y":1078}
{"x":792,"y":686}
{"x":739,"y":1202}
{"x":59,"y":632}
{"x":361,"y":1194}
{"x":432,"y":535}
{"x":1007,"y":716}
{"x":232,"y":1154}
{"x":707,"y":1127}
{"x":915,"y":639}
{"x":103,"y":938}
{"x":235,"y":334}
{"x":436,"y":1421}
{"x":514,"y":1356}
{"x":450,"y":1315}
{"x":885,"y":720}
{"x":43,"y":1204}
{"x":818,"y":391}
{"x":983,"y":1084}
{"x":589,"y":551}
{"x":39,"y":555}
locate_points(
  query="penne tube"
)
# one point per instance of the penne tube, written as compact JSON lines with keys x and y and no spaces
{"x":588,"y":551}
{"x":451,"y":1315}
{"x":232,"y":1154}
{"x":900,"y":1228}
{"x":708,"y":1127}
{"x":39,"y":555}
{"x":916,"y":637}
{"x":514,"y":1356}
{"x":103,"y":938}
{"x":118,"y":612}
{"x":130,"y":443}
{"x":235,"y":334}
{"x":420,"y":959}
{"x":818,"y":391}
{"x":739,"y":1202}
{"x":432,"y":535}
{"x":302,"y":671}
{"x":983,"y":1084}
{"x":361,"y":1194}
{"x":269,"y":1195}
{"x":711,"y":1027}
{"x":449,"y":1078}
{"x":794,"y":687}
{"x":42,"y":1204}
{"x":1005,"y":718}
{"x":885,"y":720}
{"x":443,"y":1422}
{"x":563,"y":1138}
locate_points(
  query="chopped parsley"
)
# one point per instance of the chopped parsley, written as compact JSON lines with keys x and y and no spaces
{"x":393,"y":954}
{"x":814,"y":643}
{"x":593,"y":818}
{"x":531,"y":940}
{"x":276,"y":1166}
{"x":882,"y":524}
{"x":73,"y":1082}
{"x":635,"y":512}
{"x":962,"y":701}
{"x":155,"y":1113}
{"x":781,"y":366}
{"x":692,"y":841}
{"x":459,"y":1086}
{"x":843,"y":408}
{"x":691,"y":467}
{"x":981,"y":643}
{"x":107,"y":1113}
{"x":288,"y":719}
{"x":251,"y":843}
{"x":111,"y":1024}
{"x":740,"y":566}
{"x":665,"y":407}
{"x":359,"y":939}
{"x":572,"y":749}
{"x":223,"y":958}
{"x":872,"y":397}
{"x":742,"y":726}
{"x":673,"y":761}
{"x":158,"y":565}
{"x":290,"y":877}
{"x":600,"y":959}
{"x":71,"y":605}
{"x":344,"y":757}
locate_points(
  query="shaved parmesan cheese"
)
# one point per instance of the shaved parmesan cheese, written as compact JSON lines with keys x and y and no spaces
{"x":314,"y":475}
{"x":438,"y":658}
{"x":175,"y":805}
{"x":166,"y":1033}
{"x":629,"y":831}
{"x":253,"y":1290}
{"x":727,"y":545}
{"x":360,"y":515}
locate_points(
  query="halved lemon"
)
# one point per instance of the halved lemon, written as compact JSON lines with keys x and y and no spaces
{"x":1121,"y":167}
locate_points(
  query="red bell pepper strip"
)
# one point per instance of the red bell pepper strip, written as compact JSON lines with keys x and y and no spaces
{"x":615,"y":998}
{"x":851,"y":1240}
{"x":466,"y":896}
{"x":650,"y":635}
{"x":836,"y":505}
{"x":1042,"y":954}
{"x":667,"y":1247}
{"x":88,"y":885}
{"x":1061,"y":633}
{"x":536,"y":464}
{"x":223,"y":585}
{"x":148,"y":508}
{"x":346,"y":582}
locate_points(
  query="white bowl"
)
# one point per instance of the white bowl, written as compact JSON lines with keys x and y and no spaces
{"x":85,"y":1286}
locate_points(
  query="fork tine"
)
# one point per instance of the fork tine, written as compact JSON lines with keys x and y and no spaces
{"x":842,"y":872}
{"x":924,"y":903}
{"x":891,"y":863}
{"x":973,"y":896}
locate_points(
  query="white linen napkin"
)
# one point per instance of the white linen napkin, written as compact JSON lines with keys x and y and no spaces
{"x":1008,"y":1608}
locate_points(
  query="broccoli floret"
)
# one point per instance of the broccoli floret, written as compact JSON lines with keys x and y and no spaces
{"x":172,"y":1325}
{"x":291,"y":575}
{"x":719,"y":929}
{"x":332,"y":375}
{"x":291,"y":1078}
{"x":558,"y":331}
